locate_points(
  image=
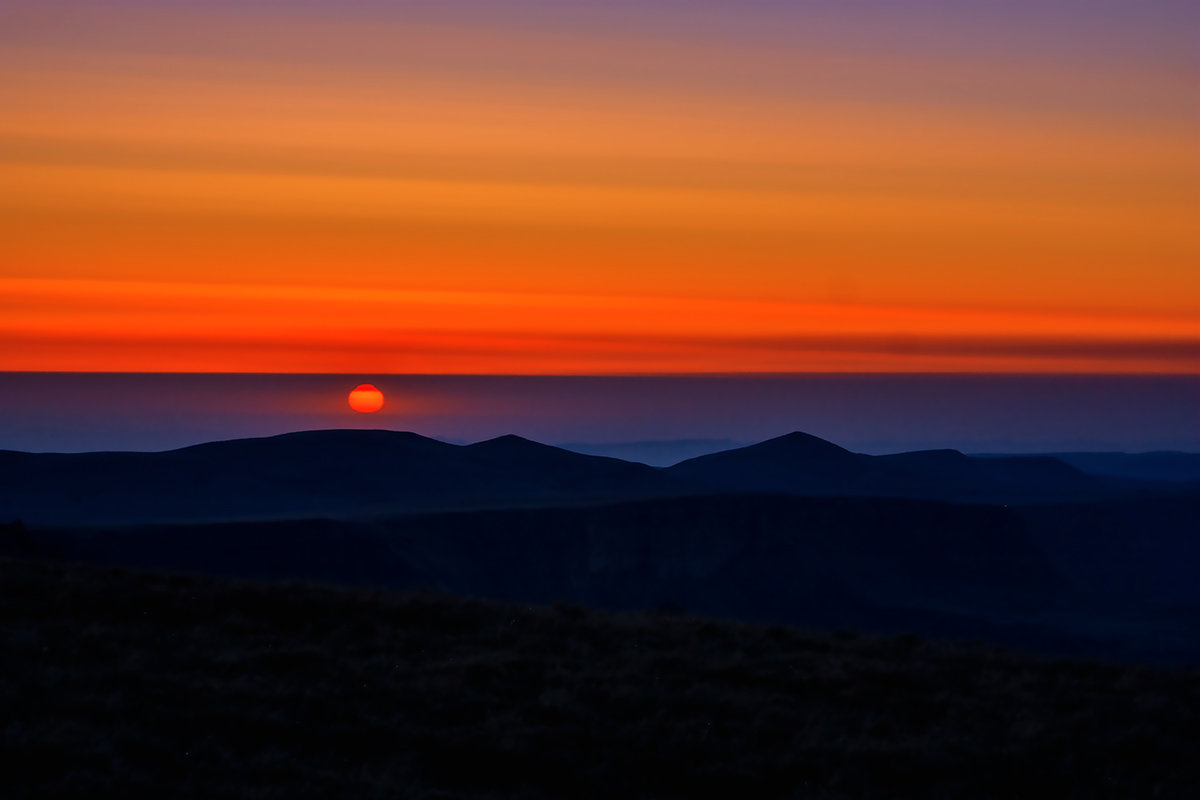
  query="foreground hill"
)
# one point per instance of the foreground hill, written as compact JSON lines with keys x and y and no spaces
{"x":121,"y":684}
{"x":770,"y":557}
{"x":310,"y":473}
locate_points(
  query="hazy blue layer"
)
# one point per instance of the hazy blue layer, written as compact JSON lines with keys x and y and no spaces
{"x":869,"y":413}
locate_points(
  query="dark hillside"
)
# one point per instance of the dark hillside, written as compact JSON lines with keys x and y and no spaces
{"x":949,"y":473}
{"x":120,"y":684}
{"x":1126,"y":550}
{"x":569,"y":472}
{"x":1163,"y":465}
{"x":797,"y":463}
{"x":880,"y":564}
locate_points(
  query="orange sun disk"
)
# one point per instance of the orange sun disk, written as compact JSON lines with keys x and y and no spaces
{"x":366,"y":398}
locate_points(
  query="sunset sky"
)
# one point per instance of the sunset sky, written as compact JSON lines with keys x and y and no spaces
{"x":617,"y":187}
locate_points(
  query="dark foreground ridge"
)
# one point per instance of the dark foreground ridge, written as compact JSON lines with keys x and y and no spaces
{"x":1111,"y":581}
{"x":121,"y":683}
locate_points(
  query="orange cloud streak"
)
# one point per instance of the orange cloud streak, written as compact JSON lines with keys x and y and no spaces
{"x":222,"y":190}
{"x":91,"y":325}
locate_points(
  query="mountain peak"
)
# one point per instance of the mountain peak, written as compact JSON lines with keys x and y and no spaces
{"x":326,"y":440}
{"x":798,"y":443}
{"x":510,"y":443}
{"x":794,"y":462}
{"x":509,"y":438}
{"x":515,"y":450}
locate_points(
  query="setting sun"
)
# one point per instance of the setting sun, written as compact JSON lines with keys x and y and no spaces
{"x":366,"y":398}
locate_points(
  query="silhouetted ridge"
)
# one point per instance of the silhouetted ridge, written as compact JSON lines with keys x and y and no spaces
{"x":331,"y":472}
{"x":327,"y":437}
{"x":798,"y":442}
{"x":574,"y":473}
{"x":513,"y":446}
{"x":796,"y":463}
{"x":517,"y":450}
{"x":362,"y":446}
{"x":799,"y":463}
{"x":1163,"y":465}
{"x":931,"y":459}
{"x":1048,"y":469}
{"x":338,"y":472}
{"x":962,"y":471}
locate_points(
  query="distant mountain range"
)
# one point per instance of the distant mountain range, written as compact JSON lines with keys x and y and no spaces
{"x":801,"y":464}
{"x":660,"y":453}
{"x":794,"y":530}
{"x":366,"y":472}
{"x":336,"y":472}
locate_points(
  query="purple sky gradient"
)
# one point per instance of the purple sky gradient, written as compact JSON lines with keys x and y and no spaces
{"x":868,"y":413}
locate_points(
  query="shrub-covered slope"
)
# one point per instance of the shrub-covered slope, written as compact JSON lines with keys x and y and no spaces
{"x":120,"y":683}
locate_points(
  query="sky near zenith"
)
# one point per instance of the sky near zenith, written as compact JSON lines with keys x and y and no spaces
{"x":571,"y":187}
